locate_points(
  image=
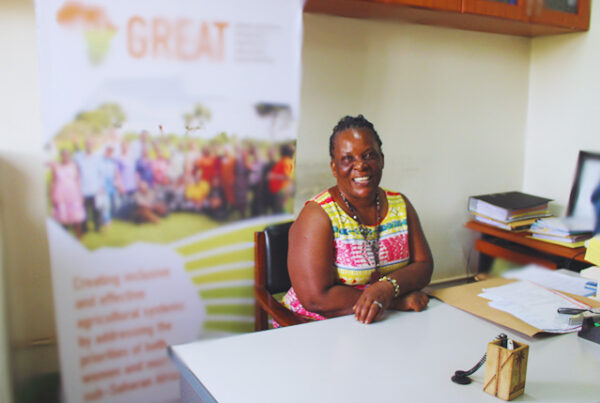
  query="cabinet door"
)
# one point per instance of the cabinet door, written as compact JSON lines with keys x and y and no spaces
{"x":450,"y":5}
{"x":509,"y":9}
{"x":564,"y":13}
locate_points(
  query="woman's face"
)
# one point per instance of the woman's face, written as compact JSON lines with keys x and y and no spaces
{"x":357,"y":163}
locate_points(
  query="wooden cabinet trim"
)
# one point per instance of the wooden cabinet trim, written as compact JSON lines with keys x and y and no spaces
{"x":579,"y":21}
{"x":437,"y":15}
{"x":448,"y":5}
{"x":496,"y":9}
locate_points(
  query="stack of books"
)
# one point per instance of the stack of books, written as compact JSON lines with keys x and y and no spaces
{"x":568,"y":231}
{"x":512,"y":211}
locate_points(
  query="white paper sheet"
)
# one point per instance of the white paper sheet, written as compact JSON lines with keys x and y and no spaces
{"x":555,"y":280}
{"x":533,"y":304}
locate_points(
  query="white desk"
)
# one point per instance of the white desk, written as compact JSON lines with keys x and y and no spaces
{"x":407,"y":357}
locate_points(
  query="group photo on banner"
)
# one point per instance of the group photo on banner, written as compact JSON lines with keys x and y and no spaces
{"x":169,"y":136}
{"x":104,"y":185}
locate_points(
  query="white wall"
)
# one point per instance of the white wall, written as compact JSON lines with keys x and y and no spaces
{"x":26,"y":274}
{"x":449,"y":105}
{"x":564,"y":110}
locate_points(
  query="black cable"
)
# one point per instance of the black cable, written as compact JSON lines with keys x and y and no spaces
{"x":462,"y":377}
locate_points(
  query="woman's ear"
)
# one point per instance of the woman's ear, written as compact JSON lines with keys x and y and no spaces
{"x":333,"y":170}
{"x":382,"y":161}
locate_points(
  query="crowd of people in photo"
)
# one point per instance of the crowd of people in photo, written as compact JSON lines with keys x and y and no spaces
{"x":146,"y":178}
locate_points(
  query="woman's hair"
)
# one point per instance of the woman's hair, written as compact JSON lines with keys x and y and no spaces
{"x":352,"y":122}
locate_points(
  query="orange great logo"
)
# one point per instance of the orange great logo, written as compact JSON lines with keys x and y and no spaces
{"x":94,"y":22}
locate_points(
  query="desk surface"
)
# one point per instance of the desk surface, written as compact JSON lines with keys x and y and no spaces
{"x":407,"y":357}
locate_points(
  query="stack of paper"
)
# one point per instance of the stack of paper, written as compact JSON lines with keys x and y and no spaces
{"x":554,"y":279}
{"x":567,"y":231}
{"x":533,"y":304}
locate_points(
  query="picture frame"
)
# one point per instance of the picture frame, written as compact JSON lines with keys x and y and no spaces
{"x":587,"y":179}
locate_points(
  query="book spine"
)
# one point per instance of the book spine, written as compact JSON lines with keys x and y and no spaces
{"x":492,"y":222}
{"x":533,"y":214}
{"x":566,"y":239}
{"x":487,"y":209}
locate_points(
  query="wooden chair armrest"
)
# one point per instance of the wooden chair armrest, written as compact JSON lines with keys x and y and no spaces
{"x":280,"y":313}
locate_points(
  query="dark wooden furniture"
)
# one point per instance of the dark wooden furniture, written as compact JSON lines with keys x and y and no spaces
{"x":526,"y":18}
{"x":519,"y":248}
{"x":271,"y":276}
{"x":536,"y":12}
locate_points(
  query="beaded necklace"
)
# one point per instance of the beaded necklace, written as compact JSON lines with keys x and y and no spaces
{"x":364,"y":231}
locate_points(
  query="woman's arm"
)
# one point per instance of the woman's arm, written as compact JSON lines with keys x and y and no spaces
{"x":311,"y":265}
{"x":417,"y":274}
{"x":410,"y":278}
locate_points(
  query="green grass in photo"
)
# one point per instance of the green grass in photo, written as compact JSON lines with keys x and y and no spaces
{"x":171,"y":228}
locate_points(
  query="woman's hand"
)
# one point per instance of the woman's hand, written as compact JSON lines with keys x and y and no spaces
{"x":373,"y":301}
{"x":413,"y":301}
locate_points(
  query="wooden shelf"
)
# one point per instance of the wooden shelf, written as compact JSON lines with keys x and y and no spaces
{"x":519,"y":248}
{"x":512,"y":255}
{"x":448,"y":14}
{"x":522,"y":238}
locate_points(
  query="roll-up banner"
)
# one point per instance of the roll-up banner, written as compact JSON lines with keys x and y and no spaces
{"x":169,"y":132}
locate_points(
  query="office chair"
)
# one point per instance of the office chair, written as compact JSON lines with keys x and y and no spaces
{"x":271,"y":276}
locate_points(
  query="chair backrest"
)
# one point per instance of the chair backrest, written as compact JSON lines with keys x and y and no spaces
{"x":276,"y":250}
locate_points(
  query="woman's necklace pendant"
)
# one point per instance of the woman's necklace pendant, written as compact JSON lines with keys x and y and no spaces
{"x":364,"y":231}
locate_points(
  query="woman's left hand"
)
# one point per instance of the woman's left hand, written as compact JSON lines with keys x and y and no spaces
{"x":373,"y":301}
{"x":413,"y":301}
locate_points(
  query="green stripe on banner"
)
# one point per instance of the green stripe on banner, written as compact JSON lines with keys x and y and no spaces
{"x":228,"y":292}
{"x":229,"y":238}
{"x":227,"y":326}
{"x":246,"y":273}
{"x":221,"y":259}
{"x":230,"y":309}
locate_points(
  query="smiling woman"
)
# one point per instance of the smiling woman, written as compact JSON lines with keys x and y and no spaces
{"x":355,"y":247}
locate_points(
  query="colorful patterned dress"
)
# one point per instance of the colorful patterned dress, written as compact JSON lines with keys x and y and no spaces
{"x":66,"y":194}
{"x":354,"y":259}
